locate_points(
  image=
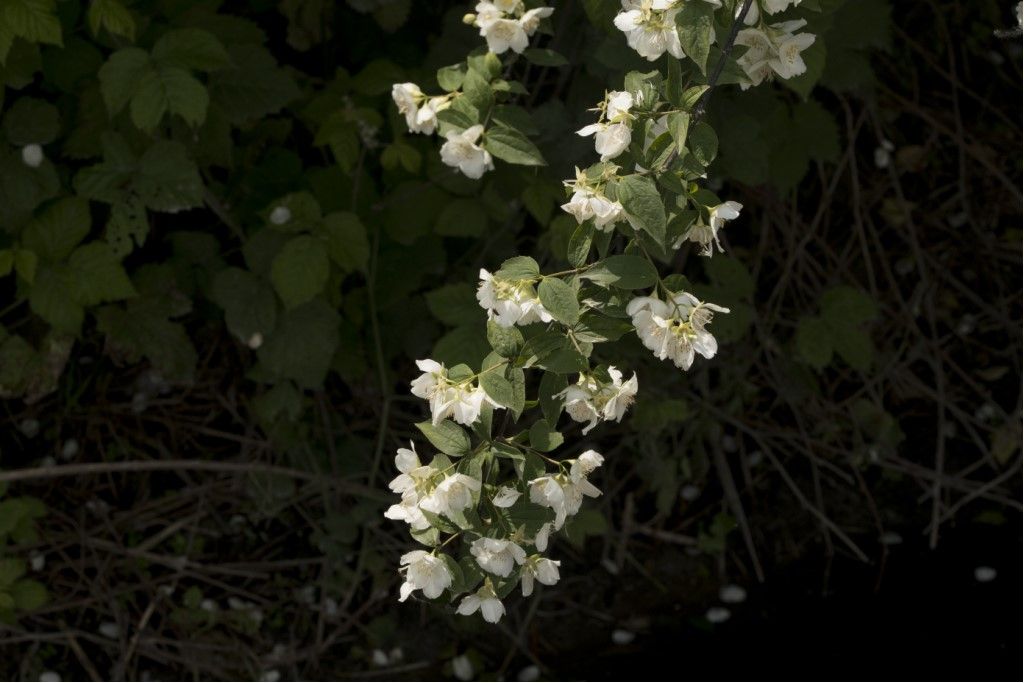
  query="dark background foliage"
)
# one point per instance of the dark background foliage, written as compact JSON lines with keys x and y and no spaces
{"x":850,"y":458}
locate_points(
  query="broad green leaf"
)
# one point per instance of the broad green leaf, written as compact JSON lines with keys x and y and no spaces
{"x":447,"y":437}
{"x":695,"y":26}
{"x":347,"y":244}
{"x":518,"y":268}
{"x":476,"y":89}
{"x":52,"y":299}
{"x":120,"y":77}
{"x":168,"y":180}
{"x":248,"y":302}
{"x":302,"y":344}
{"x":190,"y":48}
{"x":455,"y":304}
{"x":300,"y":271}
{"x":494,"y":383}
{"x":544,"y":57}
{"x":113,"y":16}
{"x":703,"y":143}
{"x":679,"y":127}
{"x":643,"y":204}
{"x":55,"y":233}
{"x":855,"y":347}
{"x":543,"y":438}
{"x":506,"y":341}
{"x":462,"y":218}
{"x":168,"y":89}
{"x":34,"y":20}
{"x":579,"y":245}
{"x":551,"y":405}
{"x":25,"y":263}
{"x":97,"y":275}
{"x":559,"y":298}
{"x":624,"y":271}
{"x":512,"y":146}
{"x":253,"y":87}
{"x":847,"y":306}
{"x":450,"y":77}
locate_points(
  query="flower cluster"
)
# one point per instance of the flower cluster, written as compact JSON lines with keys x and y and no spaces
{"x":588,"y":202}
{"x":460,"y":399}
{"x":650,"y":26}
{"x":426,"y":488}
{"x":675,"y":329}
{"x":775,"y":48}
{"x":507,"y":24}
{"x":510,"y":302}
{"x":564,"y":493}
{"x":593,"y":398}
{"x":419,"y":110}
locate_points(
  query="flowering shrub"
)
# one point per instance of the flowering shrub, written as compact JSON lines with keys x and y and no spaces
{"x":505,"y":478}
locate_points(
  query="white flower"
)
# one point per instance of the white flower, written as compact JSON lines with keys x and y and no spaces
{"x":755,"y":60}
{"x":459,"y":400}
{"x":650,"y":27}
{"x":502,"y":34}
{"x":776,"y":6}
{"x":587,"y":203}
{"x":486,"y":14}
{"x":505,"y":497}
{"x":462,"y":152}
{"x":591,"y":400}
{"x":426,"y":116}
{"x":543,"y":534}
{"x":32,"y":155}
{"x":408,"y":511}
{"x":407,"y":97}
{"x":541,"y":569}
{"x":497,"y":556}
{"x":485,"y":600}
{"x":788,"y":62}
{"x":706,"y":234}
{"x":585,"y":464}
{"x":562,"y":494}
{"x":424,"y":572}
{"x":612,"y":134}
{"x":530,"y":21}
{"x":509,"y":302}
{"x":453,"y":495}
{"x":280,"y":215}
{"x":462,"y":668}
{"x":675,"y":329}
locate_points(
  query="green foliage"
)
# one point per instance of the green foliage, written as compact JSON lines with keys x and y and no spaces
{"x":838,"y":329}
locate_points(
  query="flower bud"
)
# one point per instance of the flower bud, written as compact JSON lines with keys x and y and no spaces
{"x":32,"y":155}
{"x":468,"y":18}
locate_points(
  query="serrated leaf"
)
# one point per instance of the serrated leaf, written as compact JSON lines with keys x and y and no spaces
{"x":97,"y":275}
{"x":447,"y":437}
{"x":190,"y":48}
{"x":518,"y":268}
{"x":31,"y":121}
{"x":847,"y":306}
{"x":814,"y":342}
{"x":302,"y":344}
{"x":506,"y":341}
{"x":300,"y":271}
{"x":55,"y":233}
{"x":347,"y":243}
{"x":112,"y":16}
{"x":455,"y":305}
{"x":559,"y":298}
{"x":168,"y":89}
{"x":623,"y":270}
{"x":120,"y":77}
{"x":168,"y":180}
{"x":248,"y":302}
{"x":703,"y":143}
{"x":695,"y":26}
{"x":253,"y":87}
{"x":52,"y":299}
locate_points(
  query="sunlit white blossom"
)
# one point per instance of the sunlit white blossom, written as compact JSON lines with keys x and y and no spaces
{"x":461,"y":151}
{"x":460,"y":400}
{"x":588,"y":203}
{"x":505,"y":497}
{"x":497,"y":555}
{"x":425,"y":572}
{"x":706,"y":234}
{"x":510,"y":302}
{"x":612,"y":133}
{"x":675,"y":329}
{"x":454,"y":494}
{"x":540,"y":569}
{"x":485,"y":600}
{"x":592,"y":400}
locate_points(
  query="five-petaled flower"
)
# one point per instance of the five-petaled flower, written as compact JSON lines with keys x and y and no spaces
{"x":675,"y":328}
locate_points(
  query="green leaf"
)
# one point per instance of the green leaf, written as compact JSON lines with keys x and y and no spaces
{"x":34,"y":20}
{"x":559,"y":298}
{"x":512,"y":146}
{"x":253,"y":87}
{"x":55,"y":233}
{"x":494,"y":383}
{"x":703,"y":143}
{"x":168,"y":89}
{"x":28,"y":595}
{"x":506,"y":341}
{"x":551,"y":384}
{"x":814,"y":341}
{"x":450,"y":77}
{"x":579,"y":245}
{"x":112,"y":16}
{"x":543,"y":438}
{"x":302,"y":344}
{"x":11,"y":569}
{"x":143,"y":330}
{"x":447,"y":437}
{"x":695,"y":25}
{"x":167,"y":179}
{"x":814,"y":57}
{"x":679,"y":127}
{"x":347,"y":244}
{"x":476,"y":89}
{"x":190,"y":48}
{"x":97,"y":275}
{"x":25,"y":263}
{"x":817,"y":130}
{"x":624,"y":271}
{"x":544,"y":57}
{"x":643,"y":204}
{"x":31,"y":121}
{"x":455,"y":304}
{"x":120,"y":76}
{"x":844,"y":307}
{"x":855,"y":347}
{"x":6,"y":264}
{"x":52,"y":299}
{"x":462,"y":218}
{"x":300,"y":271}
{"x":248,"y":302}
{"x":518,"y":268}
